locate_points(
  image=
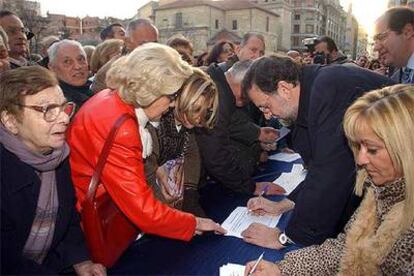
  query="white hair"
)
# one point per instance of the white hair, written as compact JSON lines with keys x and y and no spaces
{"x":54,"y":49}
{"x":239,"y":70}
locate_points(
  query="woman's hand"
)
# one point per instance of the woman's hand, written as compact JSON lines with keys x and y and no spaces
{"x":263,"y":268}
{"x":88,"y":268}
{"x":204,"y":224}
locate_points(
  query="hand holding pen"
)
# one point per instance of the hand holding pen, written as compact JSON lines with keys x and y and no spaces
{"x":273,"y":189}
{"x":253,"y":268}
{"x":261,"y":267}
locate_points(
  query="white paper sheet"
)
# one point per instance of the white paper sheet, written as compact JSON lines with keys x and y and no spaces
{"x":285,"y":157}
{"x":241,"y":218}
{"x":289,"y":181}
{"x":232,"y":270}
{"x":283,"y":131}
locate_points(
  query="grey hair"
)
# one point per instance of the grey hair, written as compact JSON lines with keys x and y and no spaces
{"x":247,"y":36}
{"x":239,"y":70}
{"x":53,"y":50}
{"x":133,"y":24}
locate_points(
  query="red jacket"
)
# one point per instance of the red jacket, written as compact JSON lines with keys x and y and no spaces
{"x":123,"y":174}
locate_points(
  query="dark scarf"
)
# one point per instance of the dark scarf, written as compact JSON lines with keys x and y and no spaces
{"x":41,"y":234}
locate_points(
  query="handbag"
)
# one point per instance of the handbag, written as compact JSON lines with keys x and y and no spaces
{"x":108,"y":231}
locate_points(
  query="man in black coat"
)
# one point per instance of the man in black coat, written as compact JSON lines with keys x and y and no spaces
{"x":314,"y":98}
{"x":230,"y":151}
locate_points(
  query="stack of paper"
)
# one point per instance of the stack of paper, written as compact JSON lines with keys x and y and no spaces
{"x":289,"y":181}
{"x":285,"y":157}
{"x":241,"y":218}
{"x":232,"y":270}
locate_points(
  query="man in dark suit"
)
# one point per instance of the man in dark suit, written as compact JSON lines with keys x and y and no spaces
{"x":394,"y":42}
{"x":314,"y":98}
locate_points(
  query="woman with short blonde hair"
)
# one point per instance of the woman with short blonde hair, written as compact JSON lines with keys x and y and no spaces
{"x":146,"y":83}
{"x":158,"y":71}
{"x":104,"y":52}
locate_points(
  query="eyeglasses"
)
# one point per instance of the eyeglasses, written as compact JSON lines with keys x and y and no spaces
{"x":381,"y":36}
{"x":52,"y":111}
{"x":173,"y":97}
{"x":16,"y":30}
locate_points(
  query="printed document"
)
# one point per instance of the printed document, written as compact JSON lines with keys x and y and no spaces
{"x":289,"y":181}
{"x":241,"y":218}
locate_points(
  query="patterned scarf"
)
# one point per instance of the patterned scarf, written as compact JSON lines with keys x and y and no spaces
{"x":41,"y":234}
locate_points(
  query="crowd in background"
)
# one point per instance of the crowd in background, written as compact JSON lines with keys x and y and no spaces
{"x":188,"y":121}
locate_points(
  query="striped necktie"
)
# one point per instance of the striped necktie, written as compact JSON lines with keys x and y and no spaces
{"x":406,"y":75}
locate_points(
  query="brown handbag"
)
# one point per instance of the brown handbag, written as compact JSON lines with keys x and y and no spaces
{"x":108,"y":231}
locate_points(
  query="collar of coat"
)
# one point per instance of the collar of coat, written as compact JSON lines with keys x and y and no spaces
{"x":367,"y":243}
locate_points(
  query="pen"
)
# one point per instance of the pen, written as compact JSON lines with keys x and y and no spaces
{"x":255,"y":264}
{"x":264,"y":191}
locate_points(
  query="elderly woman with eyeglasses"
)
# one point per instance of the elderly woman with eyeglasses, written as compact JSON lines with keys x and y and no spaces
{"x":146,"y":83}
{"x":40,"y":229}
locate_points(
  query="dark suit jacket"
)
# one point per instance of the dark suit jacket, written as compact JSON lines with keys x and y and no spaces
{"x":230,"y":151}
{"x":20,"y":186}
{"x":324,"y":201}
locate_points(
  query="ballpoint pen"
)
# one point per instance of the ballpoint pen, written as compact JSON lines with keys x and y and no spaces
{"x":255,"y":265}
{"x":264,"y":191}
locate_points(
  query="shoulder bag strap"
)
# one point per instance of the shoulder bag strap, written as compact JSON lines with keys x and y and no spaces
{"x":93,"y":185}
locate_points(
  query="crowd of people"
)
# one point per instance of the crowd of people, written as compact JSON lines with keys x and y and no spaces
{"x":212,"y":118}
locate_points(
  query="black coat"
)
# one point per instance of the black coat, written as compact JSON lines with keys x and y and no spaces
{"x":324,"y":201}
{"x":77,"y":94}
{"x":230,"y":151}
{"x":20,"y":187}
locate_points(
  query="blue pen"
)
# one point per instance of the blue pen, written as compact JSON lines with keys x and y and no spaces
{"x":264,"y":191}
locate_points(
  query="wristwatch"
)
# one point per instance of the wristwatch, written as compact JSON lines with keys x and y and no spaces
{"x":284,"y":239}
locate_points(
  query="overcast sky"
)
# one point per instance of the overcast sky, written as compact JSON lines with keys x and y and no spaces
{"x":366,"y":11}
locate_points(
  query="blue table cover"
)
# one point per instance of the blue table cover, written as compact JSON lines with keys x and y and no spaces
{"x":203,"y":255}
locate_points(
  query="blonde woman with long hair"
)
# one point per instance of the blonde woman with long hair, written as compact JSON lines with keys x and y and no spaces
{"x":379,"y":238}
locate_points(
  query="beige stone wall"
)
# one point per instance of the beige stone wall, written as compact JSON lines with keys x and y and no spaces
{"x":145,"y":11}
{"x":198,"y":36}
{"x":244,"y":21}
{"x":191,"y":17}
{"x":199,"y":24}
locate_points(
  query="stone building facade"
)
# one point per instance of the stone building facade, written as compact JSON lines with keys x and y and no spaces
{"x":312,"y":18}
{"x":284,"y":9}
{"x":202,"y":20}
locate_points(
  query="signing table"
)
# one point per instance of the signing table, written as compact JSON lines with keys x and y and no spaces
{"x":203,"y":255}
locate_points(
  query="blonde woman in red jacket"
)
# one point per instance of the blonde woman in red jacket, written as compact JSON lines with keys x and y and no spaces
{"x":145,"y":85}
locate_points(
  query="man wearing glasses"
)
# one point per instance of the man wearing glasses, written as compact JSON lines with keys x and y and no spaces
{"x":394,"y":42}
{"x":18,"y":37}
{"x":314,"y":99}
